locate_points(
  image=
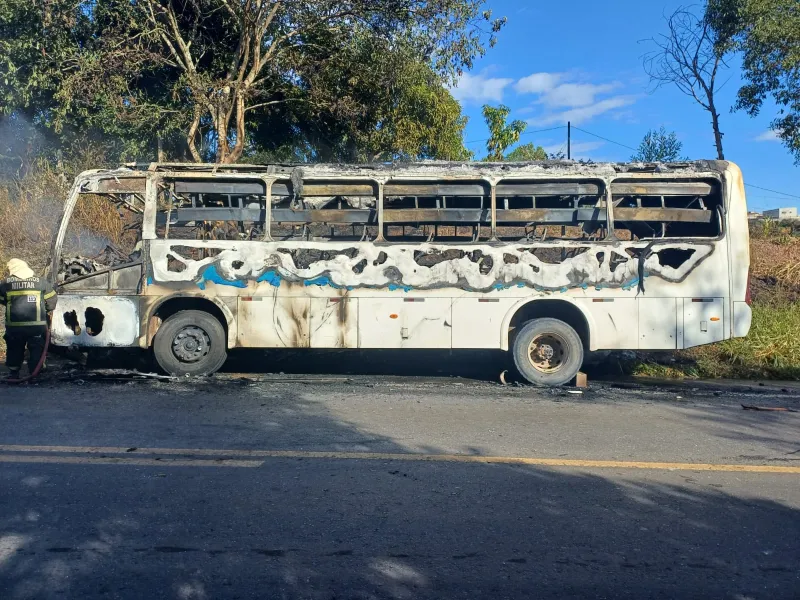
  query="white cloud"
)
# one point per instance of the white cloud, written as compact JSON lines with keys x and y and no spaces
{"x":583,"y":113}
{"x":768,"y":136}
{"x":555,"y":89}
{"x":480,"y":88}
{"x":538,"y":83}
{"x":576,"y":94}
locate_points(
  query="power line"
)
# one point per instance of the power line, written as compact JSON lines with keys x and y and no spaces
{"x":763,"y":189}
{"x":605,"y":139}
{"x":635,"y":150}
{"x":523,"y":133}
{"x":771,"y":191}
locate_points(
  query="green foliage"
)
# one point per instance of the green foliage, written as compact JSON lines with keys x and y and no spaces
{"x":501,"y":136}
{"x":767,"y":33}
{"x":658,"y":146}
{"x":380,"y":102}
{"x":220,"y":80}
{"x":526,"y":152}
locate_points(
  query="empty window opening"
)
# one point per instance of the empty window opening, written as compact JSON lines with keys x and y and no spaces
{"x":555,"y":210}
{"x":320,"y":210}
{"x":666,"y":209}
{"x":437,"y":211}
{"x":211,"y":210}
{"x":104,"y":231}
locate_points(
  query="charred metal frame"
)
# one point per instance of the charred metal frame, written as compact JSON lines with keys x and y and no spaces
{"x":428,"y":179}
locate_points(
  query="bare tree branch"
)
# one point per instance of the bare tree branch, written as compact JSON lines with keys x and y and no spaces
{"x":688,"y":57}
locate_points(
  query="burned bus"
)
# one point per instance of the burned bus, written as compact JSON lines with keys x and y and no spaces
{"x":547,"y":261}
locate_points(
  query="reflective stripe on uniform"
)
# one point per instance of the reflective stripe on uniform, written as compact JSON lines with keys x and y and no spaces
{"x":19,"y":293}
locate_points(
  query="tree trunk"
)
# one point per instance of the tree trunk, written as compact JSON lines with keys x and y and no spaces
{"x":715,"y":124}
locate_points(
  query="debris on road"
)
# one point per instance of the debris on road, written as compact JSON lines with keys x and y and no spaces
{"x":503,"y":377}
{"x":768,"y":408}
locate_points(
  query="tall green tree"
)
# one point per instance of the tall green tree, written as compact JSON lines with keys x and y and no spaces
{"x":382,"y":103}
{"x":767,"y":34}
{"x":212,"y":72}
{"x":501,"y":134}
{"x":527,"y":152}
{"x":659,"y":146}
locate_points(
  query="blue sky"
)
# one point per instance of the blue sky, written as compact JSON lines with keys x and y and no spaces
{"x":581,"y":61}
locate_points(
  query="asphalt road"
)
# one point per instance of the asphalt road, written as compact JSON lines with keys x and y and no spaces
{"x":386,"y":487}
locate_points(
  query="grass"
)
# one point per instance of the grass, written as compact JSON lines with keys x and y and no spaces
{"x":770,"y":351}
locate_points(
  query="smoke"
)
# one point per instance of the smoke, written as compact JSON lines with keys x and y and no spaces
{"x":21,"y":146}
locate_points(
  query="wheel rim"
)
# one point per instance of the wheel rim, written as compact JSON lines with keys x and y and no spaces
{"x":547,"y":352}
{"x":191,"y":344}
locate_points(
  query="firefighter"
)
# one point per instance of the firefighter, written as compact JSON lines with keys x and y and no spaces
{"x":29,"y":302}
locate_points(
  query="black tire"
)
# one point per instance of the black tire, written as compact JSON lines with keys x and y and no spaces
{"x":190,"y":342}
{"x":557,"y":356}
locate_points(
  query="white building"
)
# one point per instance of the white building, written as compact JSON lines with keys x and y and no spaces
{"x":780,"y":214}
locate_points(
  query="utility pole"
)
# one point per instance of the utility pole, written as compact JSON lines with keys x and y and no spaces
{"x":569,"y":140}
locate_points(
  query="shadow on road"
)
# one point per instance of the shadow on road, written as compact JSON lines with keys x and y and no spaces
{"x":325,"y":529}
{"x":470,"y":364}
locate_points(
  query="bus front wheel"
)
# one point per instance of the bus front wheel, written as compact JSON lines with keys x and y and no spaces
{"x":190,"y":342}
{"x":548,"y":352}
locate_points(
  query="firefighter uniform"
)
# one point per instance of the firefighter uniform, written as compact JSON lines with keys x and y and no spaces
{"x":27,"y":300}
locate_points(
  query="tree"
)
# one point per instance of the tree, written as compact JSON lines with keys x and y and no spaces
{"x":767,"y":34}
{"x":501,"y":136}
{"x":658,"y":146}
{"x":378,"y":102}
{"x":527,"y":152}
{"x":690,"y":56}
{"x":213,"y":69}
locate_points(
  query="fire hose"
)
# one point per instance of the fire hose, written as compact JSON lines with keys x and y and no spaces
{"x":39,"y":365}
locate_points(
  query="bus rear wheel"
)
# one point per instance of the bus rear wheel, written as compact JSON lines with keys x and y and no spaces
{"x":548,"y":352}
{"x":190,"y":342}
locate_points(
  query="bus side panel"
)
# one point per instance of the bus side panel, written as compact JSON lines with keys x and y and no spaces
{"x":333,"y":322}
{"x":405,"y":322}
{"x":478,"y":321}
{"x":96,"y":321}
{"x":702,"y":321}
{"x":273,"y":322}
{"x":658,"y":324}
{"x":616,"y":324}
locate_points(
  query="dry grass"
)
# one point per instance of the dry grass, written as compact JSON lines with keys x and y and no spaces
{"x":30,"y":209}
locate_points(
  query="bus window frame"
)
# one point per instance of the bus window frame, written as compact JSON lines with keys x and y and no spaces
{"x":488,"y":183}
{"x":721,"y":215}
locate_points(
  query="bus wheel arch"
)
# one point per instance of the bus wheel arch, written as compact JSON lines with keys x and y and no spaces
{"x":563,"y":310}
{"x":548,"y":340}
{"x":166,"y":307}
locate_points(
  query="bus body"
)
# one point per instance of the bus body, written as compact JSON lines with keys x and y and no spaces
{"x":545,"y":260}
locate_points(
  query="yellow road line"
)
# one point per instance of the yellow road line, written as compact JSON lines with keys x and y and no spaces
{"x":123,"y":460}
{"x":131,"y":453}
